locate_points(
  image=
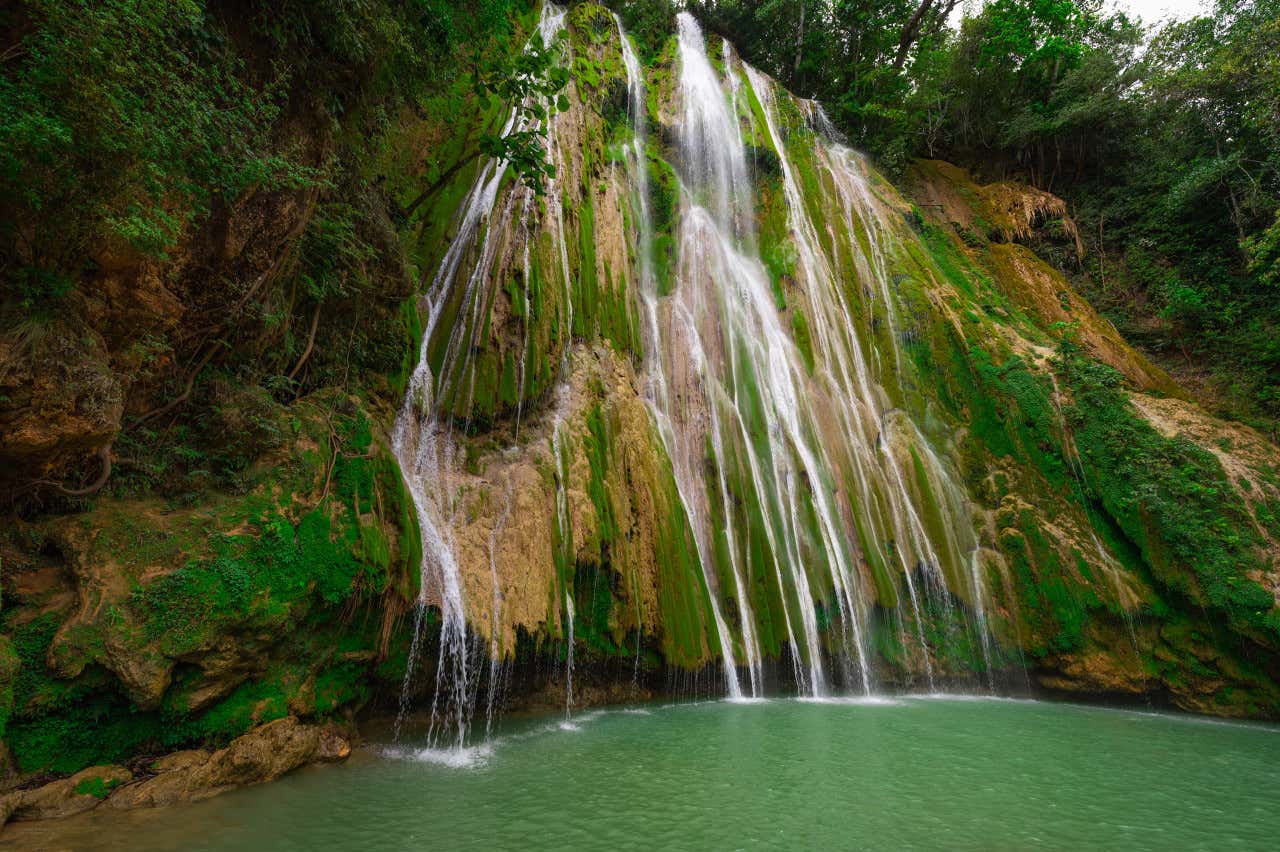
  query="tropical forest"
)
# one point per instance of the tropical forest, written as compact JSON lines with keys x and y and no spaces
{"x":639,"y":424}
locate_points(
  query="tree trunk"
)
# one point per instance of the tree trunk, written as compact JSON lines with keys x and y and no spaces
{"x":944,"y":15}
{"x":909,"y":33}
{"x":795,"y":69}
{"x":439,"y":183}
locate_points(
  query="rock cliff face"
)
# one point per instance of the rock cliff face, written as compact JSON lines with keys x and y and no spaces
{"x":917,"y":458}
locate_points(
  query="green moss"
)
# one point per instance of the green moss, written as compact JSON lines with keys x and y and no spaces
{"x":777,"y":250}
{"x":597,"y":445}
{"x":31,"y":685}
{"x":587,"y":72}
{"x":339,"y":686}
{"x":103,"y":728}
{"x":10,"y":665}
{"x":250,"y":704}
{"x":1054,"y":605}
{"x":586,"y":285}
{"x":1012,"y":414}
{"x":596,"y":594}
{"x":684,"y":603}
{"x":800,"y":334}
{"x":1172,"y":498}
{"x":664,"y":197}
{"x":95,"y":786}
{"x":412,"y":324}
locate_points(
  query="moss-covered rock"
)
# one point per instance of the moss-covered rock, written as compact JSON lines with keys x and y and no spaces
{"x":138,"y":625}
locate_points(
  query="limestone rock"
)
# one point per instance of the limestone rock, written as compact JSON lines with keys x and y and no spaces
{"x":263,"y":754}
{"x":81,"y":792}
{"x":182,"y":760}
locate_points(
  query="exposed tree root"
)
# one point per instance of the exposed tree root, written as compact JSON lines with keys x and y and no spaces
{"x":104,"y":456}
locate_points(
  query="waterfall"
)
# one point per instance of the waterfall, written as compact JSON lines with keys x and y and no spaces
{"x":746,"y":384}
{"x":422,"y":437}
{"x":659,"y":397}
{"x":822,"y":499}
{"x":841,"y":472}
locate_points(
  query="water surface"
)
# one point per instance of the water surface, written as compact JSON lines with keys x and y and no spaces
{"x":907,"y":773}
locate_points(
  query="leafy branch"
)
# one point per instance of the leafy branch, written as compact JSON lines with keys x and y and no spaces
{"x":531,"y":85}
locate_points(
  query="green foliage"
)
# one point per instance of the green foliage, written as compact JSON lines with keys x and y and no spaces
{"x":10,"y":666}
{"x":40,"y":290}
{"x":102,"y":728}
{"x":218,"y":450}
{"x":30,"y":640}
{"x":334,"y":253}
{"x":1263,"y":250}
{"x":1169,"y":155}
{"x":530,"y":83}
{"x":1170,"y":159}
{"x":340,"y":686}
{"x":649,"y":23}
{"x":124,"y":120}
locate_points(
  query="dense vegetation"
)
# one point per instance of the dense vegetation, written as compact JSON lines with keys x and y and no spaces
{"x":208,"y":220}
{"x":1165,"y":141}
{"x":137,"y":134}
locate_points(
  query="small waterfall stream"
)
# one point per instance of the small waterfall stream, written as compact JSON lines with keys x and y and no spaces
{"x":422,"y":437}
{"x":568,"y":660}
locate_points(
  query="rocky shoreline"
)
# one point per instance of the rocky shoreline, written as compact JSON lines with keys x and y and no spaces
{"x":263,"y":754}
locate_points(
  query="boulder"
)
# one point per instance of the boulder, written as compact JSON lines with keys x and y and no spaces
{"x":82,"y":792}
{"x":263,"y":754}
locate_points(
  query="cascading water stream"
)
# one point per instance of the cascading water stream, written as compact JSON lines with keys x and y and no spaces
{"x":566,"y":541}
{"x":568,"y":670}
{"x":734,"y":379}
{"x":422,"y":437}
{"x":660,"y":399}
{"x":980,"y":610}
{"x":637,"y":167}
{"x":870,"y":422}
{"x":725,"y":323}
{"x":495,"y":620}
